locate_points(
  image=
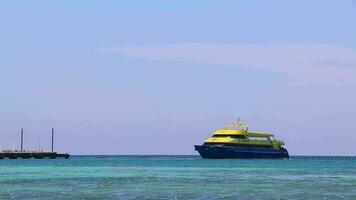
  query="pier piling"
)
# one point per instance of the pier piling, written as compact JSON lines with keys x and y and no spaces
{"x":21,"y":139}
{"x":52,"y":138}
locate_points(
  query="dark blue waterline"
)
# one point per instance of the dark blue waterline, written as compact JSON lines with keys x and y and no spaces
{"x":293,"y":157}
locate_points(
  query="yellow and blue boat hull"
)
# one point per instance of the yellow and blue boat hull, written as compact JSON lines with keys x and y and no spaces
{"x":226,"y":152}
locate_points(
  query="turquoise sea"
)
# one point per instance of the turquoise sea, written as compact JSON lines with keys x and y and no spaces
{"x":177,"y":177}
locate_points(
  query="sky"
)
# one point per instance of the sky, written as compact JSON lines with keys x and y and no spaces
{"x":157,"y":77}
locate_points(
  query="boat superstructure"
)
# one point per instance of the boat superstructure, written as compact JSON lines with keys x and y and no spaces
{"x":235,"y":141}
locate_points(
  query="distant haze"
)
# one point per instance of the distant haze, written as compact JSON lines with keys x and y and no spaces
{"x":158,"y":77}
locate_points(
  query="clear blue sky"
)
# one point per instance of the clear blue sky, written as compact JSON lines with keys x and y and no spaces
{"x":157,"y":77}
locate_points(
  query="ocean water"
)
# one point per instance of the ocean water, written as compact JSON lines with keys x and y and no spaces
{"x":177,"y":177}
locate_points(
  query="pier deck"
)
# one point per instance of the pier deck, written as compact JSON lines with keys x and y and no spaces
{"x":36,"y":155}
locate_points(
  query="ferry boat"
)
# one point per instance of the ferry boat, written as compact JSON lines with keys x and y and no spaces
{"x":235,"y":141}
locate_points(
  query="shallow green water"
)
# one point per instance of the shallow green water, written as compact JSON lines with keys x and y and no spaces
{"x":176,"y":177}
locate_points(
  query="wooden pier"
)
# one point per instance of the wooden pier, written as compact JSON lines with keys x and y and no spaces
{"x":25,"y":154}
{"x":36,"y":155}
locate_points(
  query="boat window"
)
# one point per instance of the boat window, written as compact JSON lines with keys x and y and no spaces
{"x":238,"y":136}
{"x":258,"y":138}
{"x":231,"y":136}
{"x":238,"y":145}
